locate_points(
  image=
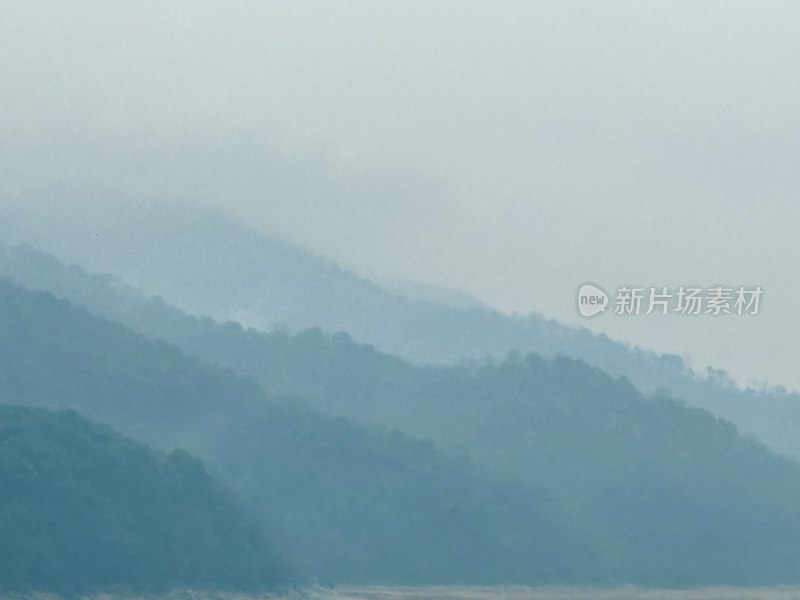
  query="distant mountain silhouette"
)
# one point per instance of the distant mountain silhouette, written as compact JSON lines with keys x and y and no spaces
{"x":342,"y":502}
{"x":207,"y":264}
{"x":646,"y":475}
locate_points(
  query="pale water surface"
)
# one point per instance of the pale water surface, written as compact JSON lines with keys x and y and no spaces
{"x":466,"y":593}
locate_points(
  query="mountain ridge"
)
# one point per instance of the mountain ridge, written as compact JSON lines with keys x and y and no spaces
{"x":85,"y":509}
{"x":344,"y":502}
{"x":445,"y":335}
{"x":638,"y":468}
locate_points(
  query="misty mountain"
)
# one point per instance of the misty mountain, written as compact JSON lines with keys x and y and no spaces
{"x":235,"y":363}
{"x":648,"y":473}
{"x":342,"y":502}
{"x":83,"y":508}
{"x":430,"y":293}
{"x":209,"y":265}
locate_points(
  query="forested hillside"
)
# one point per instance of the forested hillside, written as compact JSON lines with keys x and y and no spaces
{"x":210,"y":265}
{"x":298,"y":299}
{"x":343,"y":503}
{"x":84,"y":509}
{"x":639,"y":470}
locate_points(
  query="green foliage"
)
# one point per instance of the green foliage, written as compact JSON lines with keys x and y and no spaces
{"x":670,"y":494}
{"x":209,"y":265}
{"x":344,"y":502}
{"x":83,"y":508}
{"x":673,"y":495}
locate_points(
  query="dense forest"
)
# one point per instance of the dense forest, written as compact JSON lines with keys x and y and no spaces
{"x":599,"y":482}
{"x":83,"y":508}
{"x":343,"y":502}
{"x":207,"y":264}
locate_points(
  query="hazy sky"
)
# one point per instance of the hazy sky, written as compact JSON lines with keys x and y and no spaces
{"x":510,"y":149}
